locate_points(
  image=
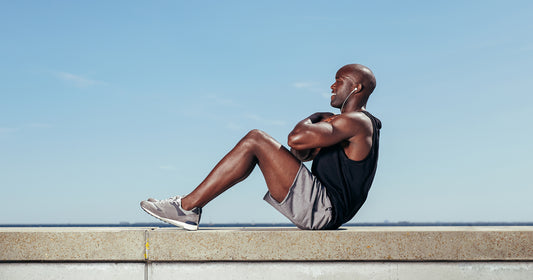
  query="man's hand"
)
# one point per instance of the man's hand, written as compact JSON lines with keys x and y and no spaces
{"x":330,"y":118}
{"x":320,"y":116}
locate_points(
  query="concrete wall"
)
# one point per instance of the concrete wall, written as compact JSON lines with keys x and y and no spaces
{"x":270,"y":270}
{"x":267,"y":253}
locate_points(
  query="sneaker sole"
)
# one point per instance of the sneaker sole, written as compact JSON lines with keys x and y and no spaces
{"x":173,"y":222}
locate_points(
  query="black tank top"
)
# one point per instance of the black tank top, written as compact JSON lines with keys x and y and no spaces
{"x":347,"y":181}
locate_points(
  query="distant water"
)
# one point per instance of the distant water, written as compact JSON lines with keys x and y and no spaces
{"x":126,"y":224}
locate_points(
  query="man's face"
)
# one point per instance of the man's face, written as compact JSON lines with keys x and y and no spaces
{"x":342,"y":87}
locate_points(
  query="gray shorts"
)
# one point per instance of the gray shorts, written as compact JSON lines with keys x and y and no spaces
{"x":307,"y":204}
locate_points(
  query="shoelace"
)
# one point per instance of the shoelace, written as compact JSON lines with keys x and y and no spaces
{"x":171,"y":200}
{"x":174,"y":198}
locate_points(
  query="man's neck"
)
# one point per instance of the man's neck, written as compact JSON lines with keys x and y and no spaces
{"x":348,"y":109}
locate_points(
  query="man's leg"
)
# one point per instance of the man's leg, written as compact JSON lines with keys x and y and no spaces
{"x":278,"y":165}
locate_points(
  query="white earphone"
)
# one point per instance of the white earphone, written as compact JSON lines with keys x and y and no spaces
{"x":347,"y":98}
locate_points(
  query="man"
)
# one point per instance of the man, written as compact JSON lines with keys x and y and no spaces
{"x":345,"y":152}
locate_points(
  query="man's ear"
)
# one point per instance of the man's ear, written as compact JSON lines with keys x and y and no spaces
{"x":358,"y":88}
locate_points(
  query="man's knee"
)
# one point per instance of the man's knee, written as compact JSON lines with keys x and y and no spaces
{"x":256,"y":137}
{"x":257,"y":134}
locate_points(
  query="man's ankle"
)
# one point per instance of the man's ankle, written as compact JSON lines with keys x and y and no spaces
{"x":186,"y":204}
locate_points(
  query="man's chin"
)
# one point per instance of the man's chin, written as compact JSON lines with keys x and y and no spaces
{"x":334,"y":104}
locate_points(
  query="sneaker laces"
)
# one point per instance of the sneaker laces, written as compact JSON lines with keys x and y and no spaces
{"x":176,"y":200}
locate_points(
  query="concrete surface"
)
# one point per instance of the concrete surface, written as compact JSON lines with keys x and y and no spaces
{"x":72,"y":244}
{"x":350,"y":244}
{"x":77,"y":271}
{"x":269,"y":270}
{"x":267,"y":253}
{"x":267,"y":244}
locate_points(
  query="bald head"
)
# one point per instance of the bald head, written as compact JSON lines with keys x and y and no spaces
{"x":361,"y":74}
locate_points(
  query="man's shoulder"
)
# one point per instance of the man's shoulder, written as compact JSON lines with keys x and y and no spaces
{"x":357,"y":118}
{"x":359,"y":127}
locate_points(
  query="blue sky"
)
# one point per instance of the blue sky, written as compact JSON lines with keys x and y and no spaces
{"x":106,"y":103}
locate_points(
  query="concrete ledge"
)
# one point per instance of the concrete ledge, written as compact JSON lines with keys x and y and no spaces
{"x":72,"y":244}
{"x":267,"y":244}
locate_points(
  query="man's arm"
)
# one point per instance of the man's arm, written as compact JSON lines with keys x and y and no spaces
{"x":308,"y":154}
{"x":310,"y":133}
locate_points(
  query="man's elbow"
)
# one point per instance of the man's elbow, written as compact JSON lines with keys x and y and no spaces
{"x":295,"y":141}
{"x":292,"y":140}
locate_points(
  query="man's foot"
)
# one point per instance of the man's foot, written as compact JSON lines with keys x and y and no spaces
{"x":170,"y":211}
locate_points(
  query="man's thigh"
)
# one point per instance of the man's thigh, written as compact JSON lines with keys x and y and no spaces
{"x":278,"y":165}
{"x":307,"y":204}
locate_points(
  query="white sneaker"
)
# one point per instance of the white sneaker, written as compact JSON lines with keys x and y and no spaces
{"x":170,"y":211}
